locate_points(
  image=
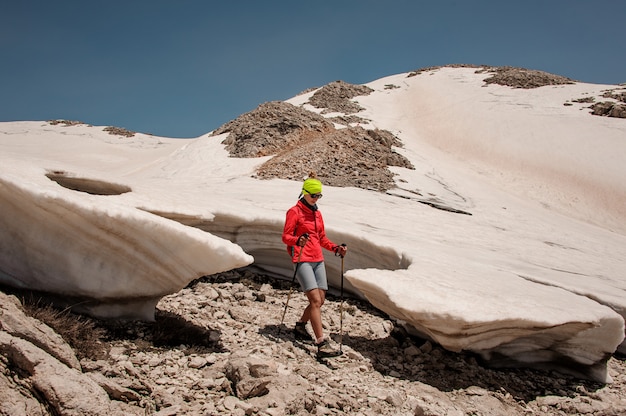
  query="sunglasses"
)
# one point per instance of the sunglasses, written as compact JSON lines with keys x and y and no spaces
{"x":316,"y":196}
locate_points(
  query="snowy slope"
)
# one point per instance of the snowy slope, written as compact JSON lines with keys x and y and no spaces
{"x":535,"y":274}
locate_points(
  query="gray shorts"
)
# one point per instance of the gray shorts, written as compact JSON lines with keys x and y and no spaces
{"x":312,"y":275}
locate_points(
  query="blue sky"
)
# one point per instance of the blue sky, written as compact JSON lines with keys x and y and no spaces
{"x":181,"y":68}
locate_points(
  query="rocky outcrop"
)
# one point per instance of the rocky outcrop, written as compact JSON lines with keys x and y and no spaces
{"x":40,"y":372}
{"x":350,"y":156}
{"x":609,"y":109}
{"x":64,"y":389}
{"x":524,"y":78}
{"x":507,"y":75}
{"x":15,"y":324}
{"x":336,"y":97}
{"x":345,"y":157}
{"x":270,"y":128}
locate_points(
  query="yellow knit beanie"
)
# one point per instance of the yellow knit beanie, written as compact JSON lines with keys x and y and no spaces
{"x":312,"y":186}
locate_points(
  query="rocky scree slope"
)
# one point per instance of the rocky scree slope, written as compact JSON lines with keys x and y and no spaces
{"x":217,"y":348}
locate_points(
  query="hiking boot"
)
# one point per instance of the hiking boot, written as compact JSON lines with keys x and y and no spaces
{"x":300,"y":332}
{"x":325,"y":349}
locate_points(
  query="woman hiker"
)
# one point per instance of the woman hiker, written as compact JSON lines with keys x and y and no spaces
{"x":305,"y":237}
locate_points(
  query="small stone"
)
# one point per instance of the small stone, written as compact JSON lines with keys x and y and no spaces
{"x":427,"y":347}
{"x":197,"y":362}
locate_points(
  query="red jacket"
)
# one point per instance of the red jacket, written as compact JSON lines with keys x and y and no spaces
{"x":302,"y":219}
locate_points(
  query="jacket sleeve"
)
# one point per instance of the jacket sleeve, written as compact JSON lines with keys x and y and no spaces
{"x":289,"y":231}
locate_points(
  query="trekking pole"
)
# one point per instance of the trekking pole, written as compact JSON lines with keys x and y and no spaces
{"x":305,"y":235}
{"x":341,"y":310}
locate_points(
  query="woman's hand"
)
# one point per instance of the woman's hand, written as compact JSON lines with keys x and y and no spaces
{"x":302,"y":240}
{"x":341,"y":250}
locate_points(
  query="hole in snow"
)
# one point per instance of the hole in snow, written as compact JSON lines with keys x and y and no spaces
{"x":90,"y":186}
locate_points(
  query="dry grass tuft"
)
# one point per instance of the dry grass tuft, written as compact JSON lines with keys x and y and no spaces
{"x":80,"y":332}
{"x":92,"y":338}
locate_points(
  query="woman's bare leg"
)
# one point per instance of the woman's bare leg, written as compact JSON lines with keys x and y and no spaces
{"x":313,"y":311}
